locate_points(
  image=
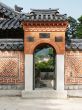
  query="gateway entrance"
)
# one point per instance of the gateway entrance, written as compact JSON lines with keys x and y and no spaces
{"x":43,"y":30}
{"x":44,"y":67}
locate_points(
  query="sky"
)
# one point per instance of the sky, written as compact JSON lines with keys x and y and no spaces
{"x":70,"y":7}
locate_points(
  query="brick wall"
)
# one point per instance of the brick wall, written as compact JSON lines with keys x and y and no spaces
{"x":35,"y":29}
{"x":73,"y":70}
{"x":11,"y":70}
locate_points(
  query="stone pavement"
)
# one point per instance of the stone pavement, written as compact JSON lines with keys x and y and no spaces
{"x":17,"y":103}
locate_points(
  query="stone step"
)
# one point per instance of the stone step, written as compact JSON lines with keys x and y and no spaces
{"x":74,"y":93}
{"x":44,"y":94}
{"x":10,"y":93}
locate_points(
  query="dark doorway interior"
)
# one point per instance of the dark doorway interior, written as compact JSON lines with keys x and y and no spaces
{"x":44,"y":67}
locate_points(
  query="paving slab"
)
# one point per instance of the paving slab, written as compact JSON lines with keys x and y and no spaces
{"x":18,"y":103}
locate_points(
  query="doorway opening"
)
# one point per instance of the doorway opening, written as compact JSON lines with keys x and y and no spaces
{"x":44,"y":76}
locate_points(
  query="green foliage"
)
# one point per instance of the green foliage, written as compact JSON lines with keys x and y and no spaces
{"x":79,"y":31}
{"x":71,"y":30}
{"x":75,"y":29}
{"x":79,"y":28}
{"x":50,"y":52}
{"x":45,"y":66}
{"x":72,"y":21}
{"x":80,"y":19}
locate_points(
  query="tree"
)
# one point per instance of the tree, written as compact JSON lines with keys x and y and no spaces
{"x":80,"y":19}
{"x":50,"y":52}
{"x":45,"y":66}
{"x":71,"y":30}
{"x":79,"y":28}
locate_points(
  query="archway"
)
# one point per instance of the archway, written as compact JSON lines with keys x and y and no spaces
{"x":44,"y":61}
{"x":39,"y":31}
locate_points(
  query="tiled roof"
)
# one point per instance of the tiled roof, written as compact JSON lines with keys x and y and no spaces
{"x":9,"y":23}
{"x":46,"y":15}
{"x":75,"y":44}
{"x":13,"y":20}
{"x":11,"y":44}
{"x":11,"y":13}
{"x":13,"y":17}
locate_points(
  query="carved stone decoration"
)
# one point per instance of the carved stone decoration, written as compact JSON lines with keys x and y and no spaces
{"x":17,"y":8}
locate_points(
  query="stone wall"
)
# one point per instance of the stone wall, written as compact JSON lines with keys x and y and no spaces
{"x":73,"y":70}
{"x":11,"y":70}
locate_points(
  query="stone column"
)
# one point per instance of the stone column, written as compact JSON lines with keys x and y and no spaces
{"x":60,"y":72}
{"x":28,"y":72}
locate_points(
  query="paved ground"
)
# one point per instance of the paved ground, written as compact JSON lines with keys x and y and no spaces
{"x":17,"y":103}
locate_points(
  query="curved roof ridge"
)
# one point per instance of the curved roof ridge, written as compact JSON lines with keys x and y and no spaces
{"x":4,"y":5}
{"x":49,"y":9}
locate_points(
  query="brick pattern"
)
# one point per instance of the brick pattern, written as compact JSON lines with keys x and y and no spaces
{"x":73,"y":67}
{"x":11,"y":67}
{"x":34,"y":30}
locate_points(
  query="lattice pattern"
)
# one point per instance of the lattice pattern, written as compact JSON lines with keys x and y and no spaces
{"x":73,"y":68}
{"x":11,"y":67}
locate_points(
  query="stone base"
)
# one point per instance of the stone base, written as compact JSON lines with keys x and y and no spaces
{"x":10,"y":93}
{"x":73,"y":87}
{"x":11,"y":87}
{"x":74,"y":93}
{"x":44,"y":94}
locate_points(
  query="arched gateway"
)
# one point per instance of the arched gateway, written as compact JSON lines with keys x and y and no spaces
{"x":44,"y":74}
{"x":44,"y":27}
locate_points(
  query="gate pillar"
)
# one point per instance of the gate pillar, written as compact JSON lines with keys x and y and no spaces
{"x":59,"y":72}
{"x":28,"y":72}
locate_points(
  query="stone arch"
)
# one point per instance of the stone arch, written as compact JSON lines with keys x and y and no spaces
{"x":51,"y":43}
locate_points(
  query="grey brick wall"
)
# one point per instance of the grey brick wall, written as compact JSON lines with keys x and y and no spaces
{"x":73,"y":87}
{"x":11,"y":87}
